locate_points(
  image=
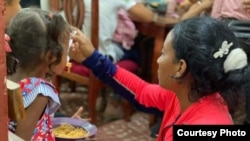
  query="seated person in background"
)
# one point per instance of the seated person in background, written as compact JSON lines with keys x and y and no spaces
{"x":226,"y":10}
{"x":108,"y":21}
{"x":197,"y":68}
{"x":231,"y":9}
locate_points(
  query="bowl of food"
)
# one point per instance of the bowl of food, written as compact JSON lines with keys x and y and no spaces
{"x":71,"y":129}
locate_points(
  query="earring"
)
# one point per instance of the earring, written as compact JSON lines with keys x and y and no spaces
{"x":174,"y":77}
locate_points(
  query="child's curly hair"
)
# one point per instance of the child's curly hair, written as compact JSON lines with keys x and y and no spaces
{"x":35,"y":34}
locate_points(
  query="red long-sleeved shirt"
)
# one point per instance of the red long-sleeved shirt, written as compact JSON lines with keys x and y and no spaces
{"x":208,"y":110}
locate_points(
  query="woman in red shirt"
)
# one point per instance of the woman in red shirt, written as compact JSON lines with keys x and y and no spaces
{"x":201,"y":72}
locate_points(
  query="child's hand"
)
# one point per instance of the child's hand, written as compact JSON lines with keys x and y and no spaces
{"x":81,"y":48}
{"x":247,"y":5}
{"x":206,"y":4}
{"x":78,"y":114}
{"x":185,"y":5}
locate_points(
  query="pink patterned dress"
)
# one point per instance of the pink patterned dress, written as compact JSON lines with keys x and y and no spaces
{"x":31,"y":88}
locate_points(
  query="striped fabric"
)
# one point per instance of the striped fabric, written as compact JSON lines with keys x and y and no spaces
{"x":229,"y":9}
{"x":31,"y":88}
{"x":44,"y":88}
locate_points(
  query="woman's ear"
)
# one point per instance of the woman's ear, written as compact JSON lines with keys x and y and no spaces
{"x":182,"y":68}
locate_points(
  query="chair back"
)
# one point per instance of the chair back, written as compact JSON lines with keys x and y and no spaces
{"x":241,"y":30}
{"x":74,"y":12}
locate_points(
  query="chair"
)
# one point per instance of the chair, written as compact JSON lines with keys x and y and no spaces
{"x":77,"y":20}
{"x":94,"y":85}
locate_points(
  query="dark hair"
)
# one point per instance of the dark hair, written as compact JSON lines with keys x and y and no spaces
{"x":33,"y":34}
{"x":195,"y":41}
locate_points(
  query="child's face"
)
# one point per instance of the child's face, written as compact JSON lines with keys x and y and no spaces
{"x":58,"y":69}
{"x":11,"y":9}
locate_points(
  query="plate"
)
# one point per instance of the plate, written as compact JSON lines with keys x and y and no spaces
{"x":90,"y":128}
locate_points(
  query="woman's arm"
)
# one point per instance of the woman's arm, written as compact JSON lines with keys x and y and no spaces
{"x":140,"y":13}
{"x":26,"y":127}
{"x":128,"y":85}
{"x":82,"y":50}
{"x":247,"y":5}
{"x":197,"y":8}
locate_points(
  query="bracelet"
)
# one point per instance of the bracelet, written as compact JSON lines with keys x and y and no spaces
{"x":155,"y":18}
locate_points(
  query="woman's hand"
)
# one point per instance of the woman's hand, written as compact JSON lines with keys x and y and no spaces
{"x":247,"y":5}
{"x":206,"y":4}
{"x":81,"y":48}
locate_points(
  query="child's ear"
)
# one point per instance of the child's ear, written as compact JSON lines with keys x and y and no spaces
{"x":49,"y":57}
{"x":4,"y":9}
{"x":53,"y":59}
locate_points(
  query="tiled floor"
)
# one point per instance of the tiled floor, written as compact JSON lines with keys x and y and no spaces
{"x":119,"y":130}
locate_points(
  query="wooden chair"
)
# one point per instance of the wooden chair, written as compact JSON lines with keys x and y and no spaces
{"x":93,"y":84}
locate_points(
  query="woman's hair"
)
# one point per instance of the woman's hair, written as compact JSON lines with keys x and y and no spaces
{"x":33,"y":34}
{"x":196,"y":40}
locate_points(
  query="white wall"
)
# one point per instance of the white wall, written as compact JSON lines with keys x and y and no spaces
{"x":45,"y":4}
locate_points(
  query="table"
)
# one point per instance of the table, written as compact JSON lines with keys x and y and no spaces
{"x":159,"y":32}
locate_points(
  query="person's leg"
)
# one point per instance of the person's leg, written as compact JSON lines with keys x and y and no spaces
{"x":116,"y":106}
{"x":154,"y":131}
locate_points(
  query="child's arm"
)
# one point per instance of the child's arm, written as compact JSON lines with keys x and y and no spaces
{"x":25,"y":128}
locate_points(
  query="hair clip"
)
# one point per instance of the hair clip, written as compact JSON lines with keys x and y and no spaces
{"x":236,"y":59}
{"x":224,"y":49}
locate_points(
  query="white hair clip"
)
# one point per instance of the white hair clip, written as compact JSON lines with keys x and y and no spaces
{"x":224,"y":49}
{"x":236,"y":59}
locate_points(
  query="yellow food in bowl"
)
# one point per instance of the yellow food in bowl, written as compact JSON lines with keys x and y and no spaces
{"x":68,"y":131}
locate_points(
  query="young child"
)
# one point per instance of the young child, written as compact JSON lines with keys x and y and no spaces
{"x":38,"y":43}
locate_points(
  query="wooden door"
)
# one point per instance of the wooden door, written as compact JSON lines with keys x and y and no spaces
{"x":3,"y":93}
